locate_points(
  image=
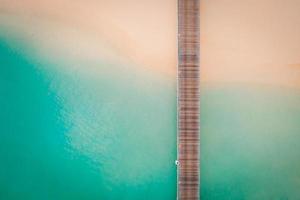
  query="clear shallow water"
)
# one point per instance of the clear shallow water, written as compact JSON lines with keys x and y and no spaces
{"x":250,"y":143}
{"x":68,"y":135}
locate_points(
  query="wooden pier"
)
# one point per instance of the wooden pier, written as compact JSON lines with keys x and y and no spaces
{"x":188,"y":100}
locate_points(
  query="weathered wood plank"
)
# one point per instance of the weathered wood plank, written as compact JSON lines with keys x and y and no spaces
{"x":188,"y":100}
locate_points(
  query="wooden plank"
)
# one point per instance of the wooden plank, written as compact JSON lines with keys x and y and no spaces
{"x":188,"y":100}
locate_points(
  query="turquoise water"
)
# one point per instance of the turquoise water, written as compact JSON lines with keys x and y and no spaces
{"x":70,"y":135}
{"x":67,"y":135}
{"x":250,"y":143}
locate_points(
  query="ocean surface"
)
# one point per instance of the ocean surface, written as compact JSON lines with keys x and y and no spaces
{"x":68,"y":135}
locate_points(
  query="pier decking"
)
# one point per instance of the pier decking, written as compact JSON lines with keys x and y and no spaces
{"x":188,"y":100}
